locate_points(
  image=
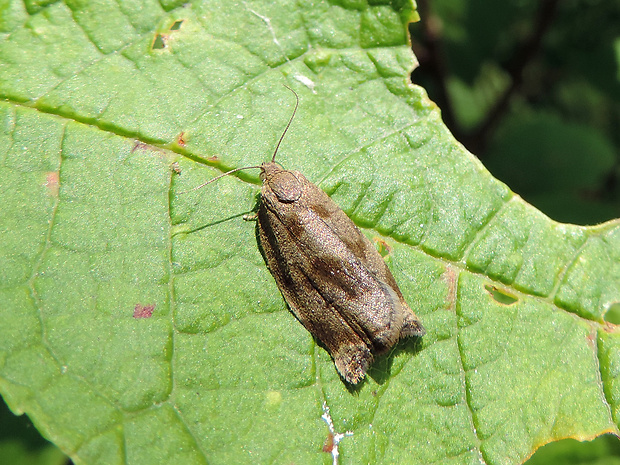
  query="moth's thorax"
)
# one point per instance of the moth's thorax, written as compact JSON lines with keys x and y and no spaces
{"x":284,"y":184}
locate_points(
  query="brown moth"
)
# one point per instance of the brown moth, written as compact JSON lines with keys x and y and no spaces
{"x":331,"y":276}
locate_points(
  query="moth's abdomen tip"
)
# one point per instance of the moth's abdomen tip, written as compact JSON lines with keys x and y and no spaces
{"x":354,"y":375}
{"x":412,"y":326}
{"x":353,"y":364}
{"x":354,"y":378}
{"x":417,"y":330}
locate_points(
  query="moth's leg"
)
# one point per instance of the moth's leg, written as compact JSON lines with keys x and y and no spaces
{"x":251,"y":217}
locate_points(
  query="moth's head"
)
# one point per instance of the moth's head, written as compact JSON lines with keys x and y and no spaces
{"x":268,"y":169}
{"x":283,"y":183}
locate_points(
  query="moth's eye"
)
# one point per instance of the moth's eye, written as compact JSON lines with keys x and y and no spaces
{"x":286,"y":186}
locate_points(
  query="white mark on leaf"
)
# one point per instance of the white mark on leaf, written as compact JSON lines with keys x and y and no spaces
{"x":305,"y":80}
{"x":335,"y":437}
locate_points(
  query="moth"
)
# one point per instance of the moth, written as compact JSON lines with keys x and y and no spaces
{"x":331,"y":275}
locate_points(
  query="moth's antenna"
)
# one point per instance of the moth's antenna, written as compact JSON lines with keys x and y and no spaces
{"x":218,"y":177}
{"x":273,"y":159}
{"x":251,"y":167}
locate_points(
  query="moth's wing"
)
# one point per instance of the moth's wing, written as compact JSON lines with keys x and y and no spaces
{"x":364,"y":250}
{"x":368,"y":306}
{"x":350,"y":234}
{"x":287,"y":263}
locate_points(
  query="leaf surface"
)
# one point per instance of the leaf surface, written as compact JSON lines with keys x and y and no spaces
{"x":140,"y":324}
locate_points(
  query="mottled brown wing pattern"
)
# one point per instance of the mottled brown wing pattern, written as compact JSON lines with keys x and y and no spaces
{"x":330,"y":274}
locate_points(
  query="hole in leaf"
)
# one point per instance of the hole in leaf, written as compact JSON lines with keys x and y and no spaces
{"x":613,"y":314}
{"x":500,"y":295}
{"x":383,"y":247}
{"x":159,"y":42}
{"x":176,"y":25}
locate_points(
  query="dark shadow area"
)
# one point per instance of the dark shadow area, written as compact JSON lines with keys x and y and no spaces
{"x":531,"y":88}
{"x":381,"y":370}
{"x":19,"y":429}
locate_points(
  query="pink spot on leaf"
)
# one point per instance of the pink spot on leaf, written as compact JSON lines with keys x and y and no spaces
{"x":52,"y":182}
{"x":143,"y":311}
{"x":139,"y":146}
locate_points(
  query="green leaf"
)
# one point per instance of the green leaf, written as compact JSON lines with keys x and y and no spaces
{"x":139,"y":322}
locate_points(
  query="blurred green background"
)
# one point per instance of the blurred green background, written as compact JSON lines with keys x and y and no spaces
{"x":21,"y":443}
{"x":532,"y":87}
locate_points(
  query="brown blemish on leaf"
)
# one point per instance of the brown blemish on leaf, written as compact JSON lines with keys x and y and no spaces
{"x":328,"y":445}
{"x":501,"y":296}
{"x":181,"y":141}
{"x":213,"y":158}
{"x":138,"y":145}
{"x":450,"y":278}
{"x":143,"y":311}
{"x":52,"y":182}
{"x":175,"y":167}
